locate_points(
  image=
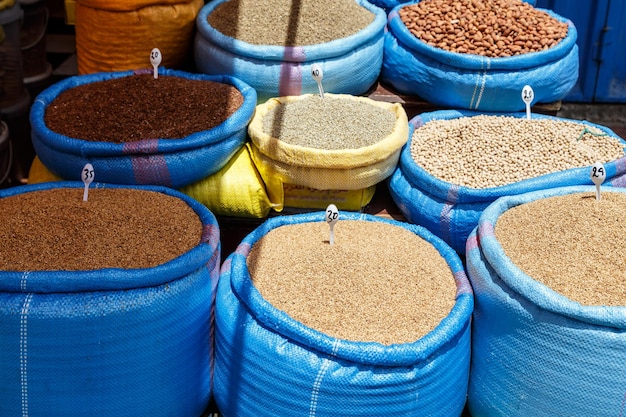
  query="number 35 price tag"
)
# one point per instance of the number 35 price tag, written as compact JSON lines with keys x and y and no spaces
{"x":87,"y":175}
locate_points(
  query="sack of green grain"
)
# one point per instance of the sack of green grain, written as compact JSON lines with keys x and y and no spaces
{"x":332,"y":329}
{"x":549,"y":326}
{"x":458,"y":162}
{"x":338,"y":142}
{"x":479,"y":56}
{"x":273,"y":46}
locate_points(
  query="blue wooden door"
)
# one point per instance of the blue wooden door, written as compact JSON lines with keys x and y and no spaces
{"x":601,"y":26}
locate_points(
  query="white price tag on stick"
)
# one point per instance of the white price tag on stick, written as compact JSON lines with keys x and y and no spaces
{"x":331,"y":217}
{"x":528,"y":95}
{"x":597,"y":175}
{"x":155,"y":60}
{"x":87,"y":175}
{"x":318,"y":75}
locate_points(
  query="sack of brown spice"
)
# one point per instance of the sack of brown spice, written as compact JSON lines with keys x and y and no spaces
{"x":549,"y":327}
{"x":479,"y":55}
{"x":133,"y":128}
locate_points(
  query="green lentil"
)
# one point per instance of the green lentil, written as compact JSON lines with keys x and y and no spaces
{"x":289,"y":23}
{"x":330,"y":123}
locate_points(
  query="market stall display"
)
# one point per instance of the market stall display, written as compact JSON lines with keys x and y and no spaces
{"x":171,"y":130}
{"x":456,"y":163}
{"x":548,"y":328}
{"x":106,"y":296}
{"x":374,"y":309}
{"x":479,"y":55}
{"x":272,"y":46}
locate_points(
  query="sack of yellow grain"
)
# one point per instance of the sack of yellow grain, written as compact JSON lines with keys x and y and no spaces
{"x":118,"y":35}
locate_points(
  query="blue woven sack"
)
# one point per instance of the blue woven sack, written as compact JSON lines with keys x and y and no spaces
{"x":388,"y":5}
{"x":452,"y":211}
{"x":269,"y":364}
{"x":469,"y":81}
{"x":535,"y":352}
{"x":110,"y":342}
{"x":350,"y":65}
{"x":171,"y":163}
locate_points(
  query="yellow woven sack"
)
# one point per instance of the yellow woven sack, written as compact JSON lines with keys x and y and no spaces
{"x":39,"y":173}
{"x":236,"y":190}
{"x":322,"y":169}
{"x":118,"y":35}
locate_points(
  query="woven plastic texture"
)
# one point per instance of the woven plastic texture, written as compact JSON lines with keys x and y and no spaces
{"x":474,"y":82}
{"x":534,"y":351}
{"x":326,"y":169}
{"x":451,"y":211}
{"x":110,"y":342}
{"x":350,"y":65}
{"x":236,"y":190}
{"x":132,"y":29}
{"x":269,"y":364}
{"x":171,"y":163}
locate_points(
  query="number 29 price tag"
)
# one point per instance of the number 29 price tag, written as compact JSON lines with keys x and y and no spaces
{"x":597,"y":175}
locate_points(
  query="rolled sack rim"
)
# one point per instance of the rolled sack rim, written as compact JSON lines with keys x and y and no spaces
{"x":204,"y":255}
{"x":236,"y":122}
{"x":417,"y":176}
{"x":443,"y":337}
{"x":298,"y":155}
{"x":304,"y":53}
{"x":524,"y":285}
{"x":477,"y":62}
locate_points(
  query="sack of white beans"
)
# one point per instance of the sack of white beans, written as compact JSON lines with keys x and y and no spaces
{"x":273,"y":46}
{"x":549,"y":327}
{"x":458,"y":57}
{"x":457,"y":162}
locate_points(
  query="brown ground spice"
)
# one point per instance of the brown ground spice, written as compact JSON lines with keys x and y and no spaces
{"x":573,"y":243}
{"x":137,"y":107}
{"x":378,"y":282}
{"x":116,"y":228}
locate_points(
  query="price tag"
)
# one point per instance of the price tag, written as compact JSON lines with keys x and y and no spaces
{"x":155,"y":60}
{"x":87,"y":176}
{"x":597,"y":175}
{"x":331,"y":217}
{"x":317,"y":74}
{"x":528,"y":95}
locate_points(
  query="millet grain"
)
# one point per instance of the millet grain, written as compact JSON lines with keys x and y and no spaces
{"x":572,"y":243}
{"x":378,"y":282}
